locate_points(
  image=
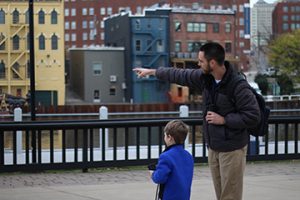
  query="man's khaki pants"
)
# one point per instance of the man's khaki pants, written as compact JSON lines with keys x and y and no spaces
{"x":227,"y":169}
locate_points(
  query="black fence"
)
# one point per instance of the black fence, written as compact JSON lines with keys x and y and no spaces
{"x":48,"y":145}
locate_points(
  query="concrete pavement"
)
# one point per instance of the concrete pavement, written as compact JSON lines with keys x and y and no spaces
{"x":263,"y":181}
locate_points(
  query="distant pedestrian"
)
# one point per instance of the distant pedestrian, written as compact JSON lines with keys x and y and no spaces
{"x":174,"y":171}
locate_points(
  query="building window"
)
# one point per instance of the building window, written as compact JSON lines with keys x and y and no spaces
{"x":41,"y":17}
{"x":285,"y":18}
{"x":67,"y":12}
{"x":67,"y":37}
{"x":112,"y":91}
{"x":27,"y":17}
{"x":92,"y":35}
{"x":67,"y":25}
{"x":160,"y":46}
{"x":97,"y":68}
{"x":53,"y":17}
{"x":285,"y":9}
{"x":241,"y":8}
{"x":194,"y":46}
{"x":2,"y":16}
{"x":138,"y":45}
{"x":84,"y":24}
{"x":73,"y":37}
{"x":73,"y":12}
{"x":216,"y":27}
{"x":196,"y":27}
{"x":84,"y":11}
{"x":285,"y":26}
{"x":92,"y":24}
{"x":109,"y":11}
{"x":2,"y":70}
{"x":102,"y":11}
{"x":96,"y":95}
{"x":177,"y":47}
{"x":16,"y":16}
{"x":227,"y":28}
{"x":241,"y":21}
{"x":16,"y":42}
{"x":91,"y":11}
{"x":177,"y":26}
{"x":54,"y":42}
{"x":202,"y":27}
{"x":228,"y":47}
{"x":73,"y":25}
{"x":242,"y":34}
{"x":84,"y":36}
{"x":42,"y":42}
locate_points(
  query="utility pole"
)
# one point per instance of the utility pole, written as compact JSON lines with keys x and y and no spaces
{"x":32,"y":76}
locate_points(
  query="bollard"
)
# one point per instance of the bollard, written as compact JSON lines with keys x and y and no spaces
{"x":18,"y":118}
{"x":103,"y":114}
{"x":184,"y":112}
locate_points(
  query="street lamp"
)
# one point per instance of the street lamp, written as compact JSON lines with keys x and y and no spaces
{"x":32,"y":63}
{"x":32,"y":77}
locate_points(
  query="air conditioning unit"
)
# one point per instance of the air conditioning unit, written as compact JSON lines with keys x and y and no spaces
{"x":113,"y":78}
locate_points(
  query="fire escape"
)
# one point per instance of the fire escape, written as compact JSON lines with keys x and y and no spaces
{"x":16,"y":77}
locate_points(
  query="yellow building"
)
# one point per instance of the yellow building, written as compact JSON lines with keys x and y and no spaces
{"x":49,"y":50}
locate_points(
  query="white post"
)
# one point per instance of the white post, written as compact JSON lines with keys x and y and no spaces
{"x":184,"y":112}
{"x":103,"y":114}
{"x":18,"y":118}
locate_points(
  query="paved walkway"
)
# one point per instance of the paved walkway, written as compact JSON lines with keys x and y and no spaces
{"x":263,"y":181}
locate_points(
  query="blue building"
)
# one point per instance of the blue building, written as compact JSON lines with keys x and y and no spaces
{"x":146,"y":41}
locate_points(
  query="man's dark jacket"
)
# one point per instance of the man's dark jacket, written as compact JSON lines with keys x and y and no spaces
{"x":242,"y":114}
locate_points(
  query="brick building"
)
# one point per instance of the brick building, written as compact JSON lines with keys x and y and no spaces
{"x":84,"y":20}
{"x":286,"y":17}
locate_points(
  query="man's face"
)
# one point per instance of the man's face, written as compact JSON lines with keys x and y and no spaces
{"x":203,"y":63}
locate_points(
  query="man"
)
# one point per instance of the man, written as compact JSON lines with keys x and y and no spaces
{"x":225,"y":122}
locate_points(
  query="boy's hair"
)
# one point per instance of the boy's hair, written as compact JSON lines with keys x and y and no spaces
{"x":178,"y":130}
{"x":213,"y":50}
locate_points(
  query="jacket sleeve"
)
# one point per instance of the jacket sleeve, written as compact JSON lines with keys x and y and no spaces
{"x":185,"y":77}
{"x":163,"y":169}
{"x":247,"y":113}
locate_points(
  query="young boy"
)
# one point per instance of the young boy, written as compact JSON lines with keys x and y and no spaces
{"x":174,"y":171}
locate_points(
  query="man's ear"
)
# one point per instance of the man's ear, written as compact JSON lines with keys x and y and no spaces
{"x":212,"y":62}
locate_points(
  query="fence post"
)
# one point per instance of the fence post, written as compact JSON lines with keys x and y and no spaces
{"x":184,"y":112}
{"x":18,"y":118}
{"x":103,"y":114}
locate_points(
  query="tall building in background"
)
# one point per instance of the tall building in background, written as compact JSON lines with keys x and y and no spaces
{"x":84,"y":20}
{"x":261,"y":23}
{"x":49,"y":50}
{"x":261,"y":33}
{"x":286,"y":17}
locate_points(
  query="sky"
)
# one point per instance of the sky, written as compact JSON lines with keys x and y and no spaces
{"x":254,"y":1}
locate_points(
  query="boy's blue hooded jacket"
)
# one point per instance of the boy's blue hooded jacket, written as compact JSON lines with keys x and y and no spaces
{"x":175,"y":171}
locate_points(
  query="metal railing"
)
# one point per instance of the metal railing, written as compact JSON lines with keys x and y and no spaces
{"x":123,"y":142}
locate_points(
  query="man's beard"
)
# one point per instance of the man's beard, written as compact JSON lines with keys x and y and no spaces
{"x":207,"y":70}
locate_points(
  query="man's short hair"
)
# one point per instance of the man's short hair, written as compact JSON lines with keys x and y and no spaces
{"x":178,"y":130}
{"x":213,"y":50}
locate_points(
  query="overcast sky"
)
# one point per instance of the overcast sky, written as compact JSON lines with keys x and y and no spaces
{"x":254,"y":1}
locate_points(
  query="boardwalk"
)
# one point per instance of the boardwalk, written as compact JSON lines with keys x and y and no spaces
{"x":263,"y":181}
